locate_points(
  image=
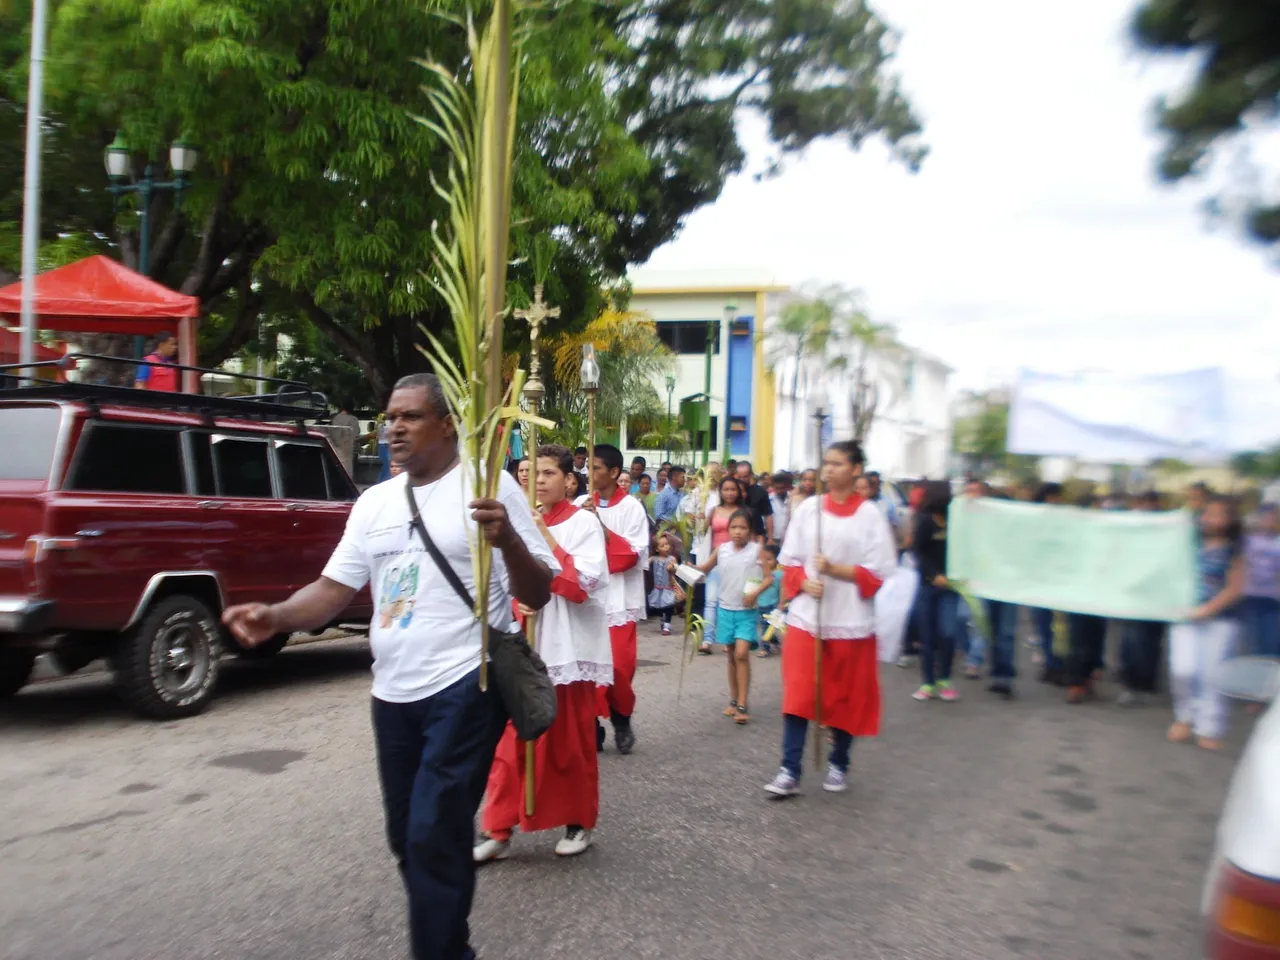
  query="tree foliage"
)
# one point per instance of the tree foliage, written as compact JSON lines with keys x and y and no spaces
{"x":314,"y":200}
{"x":1236,"y":85}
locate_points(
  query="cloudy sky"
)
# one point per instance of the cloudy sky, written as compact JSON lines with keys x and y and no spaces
{"x":1035,"y":235}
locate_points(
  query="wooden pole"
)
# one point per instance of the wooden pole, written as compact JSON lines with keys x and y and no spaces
{"x":533,"y":394}
{"x":817,"y":639}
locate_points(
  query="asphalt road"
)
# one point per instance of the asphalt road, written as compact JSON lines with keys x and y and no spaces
{"x":983,"y":829}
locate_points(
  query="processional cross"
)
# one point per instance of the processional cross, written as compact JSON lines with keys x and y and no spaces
{"x":535,"y":315}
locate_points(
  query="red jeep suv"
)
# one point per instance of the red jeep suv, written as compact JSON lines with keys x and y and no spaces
{"x":129,"y":520}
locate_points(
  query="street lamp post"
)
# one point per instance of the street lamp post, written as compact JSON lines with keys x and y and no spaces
{"x":671,"y":386}
{"x":182,"y":160}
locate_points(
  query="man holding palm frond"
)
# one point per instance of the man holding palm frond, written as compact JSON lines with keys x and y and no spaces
{"x":436,"y":728}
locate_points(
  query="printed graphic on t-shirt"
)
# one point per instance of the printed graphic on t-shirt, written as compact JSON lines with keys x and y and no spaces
{"x":397,"y":595}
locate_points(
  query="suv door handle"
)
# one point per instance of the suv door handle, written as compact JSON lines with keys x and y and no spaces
{"x":210,"y":504}
{"x":90,"y":533}
{"x":295,"y":506}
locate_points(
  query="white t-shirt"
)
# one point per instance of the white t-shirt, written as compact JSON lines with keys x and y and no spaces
{"x":736,"y":566}
{"x":424,"y":638}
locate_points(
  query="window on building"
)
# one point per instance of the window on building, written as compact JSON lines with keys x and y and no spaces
{"x":302,"y":471}
{"x":701,"y":437}
{"x":128,"y":459}
{"x":688,"y":336}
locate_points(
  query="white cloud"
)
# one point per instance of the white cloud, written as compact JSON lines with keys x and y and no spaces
{"x":1035,"y":234}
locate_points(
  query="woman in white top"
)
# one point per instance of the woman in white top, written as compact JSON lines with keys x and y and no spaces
{"x":738,"y":560}
{"x":573,"y":640}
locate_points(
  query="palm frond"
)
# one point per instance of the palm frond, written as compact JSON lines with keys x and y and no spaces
{"x":475,"y":122}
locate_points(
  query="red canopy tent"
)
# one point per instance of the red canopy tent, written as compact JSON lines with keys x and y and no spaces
{"x":98,"y":295}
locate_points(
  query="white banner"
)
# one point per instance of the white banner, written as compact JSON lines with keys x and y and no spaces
{"x":1118,"y":418}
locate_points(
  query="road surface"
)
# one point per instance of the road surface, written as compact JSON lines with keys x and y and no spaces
{"x":983,"y":829}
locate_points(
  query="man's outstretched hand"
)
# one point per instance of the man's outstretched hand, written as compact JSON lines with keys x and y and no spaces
{"x":252,"y":623}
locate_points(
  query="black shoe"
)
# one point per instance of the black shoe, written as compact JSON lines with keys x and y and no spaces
{"x":623,"y":738}
{"x":599,"y":737}
{"x":1056,"y":677}
{"x":1001,"y":687}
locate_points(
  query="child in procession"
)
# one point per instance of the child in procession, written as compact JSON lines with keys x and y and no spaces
{"x":573,"y":639}
{"x":1198,"y":647}
{"x":838,"y":552}
{"x":767,"y":597}
{"x":737,"y":560}
{"x":662,"y":598}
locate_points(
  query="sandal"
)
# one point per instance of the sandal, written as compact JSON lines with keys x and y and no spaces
{"x":764,"y":653}
{"x":741,"y":717}
{"x":732,"y":709}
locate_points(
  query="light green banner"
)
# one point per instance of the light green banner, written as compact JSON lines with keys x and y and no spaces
{"x":1129,"y":565}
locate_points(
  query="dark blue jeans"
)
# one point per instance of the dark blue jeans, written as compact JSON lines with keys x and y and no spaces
{"x":794,"y":730}
{"x":938,"y":625}
{"x":1260,"y":620}
{"x":1140,"y":655}
{"x":1088,"y":639}
{"x":1003,"y":618}
{"x":433,"y":760}
{"x":1042,"y":622}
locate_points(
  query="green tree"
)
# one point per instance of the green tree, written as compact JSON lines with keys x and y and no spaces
{"x":315,"y":199}
{"x":1236,"y":88}
{"x":828,"y":336}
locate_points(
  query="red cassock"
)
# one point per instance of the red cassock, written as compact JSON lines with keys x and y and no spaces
{"x":565,"y":772}
{"x":573,"y":641}
{"x":852,"y":533}
{"x":622,"y":557}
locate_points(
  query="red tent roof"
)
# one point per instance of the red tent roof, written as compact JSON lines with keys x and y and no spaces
{"x":98,"y":295}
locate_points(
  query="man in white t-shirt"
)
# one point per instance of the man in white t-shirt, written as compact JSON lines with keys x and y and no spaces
{"x":436,"y":730}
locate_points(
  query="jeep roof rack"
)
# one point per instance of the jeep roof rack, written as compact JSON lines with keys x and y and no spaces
{"x":291,"y":400}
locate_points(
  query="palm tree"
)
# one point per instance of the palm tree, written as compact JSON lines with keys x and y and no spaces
{"x":828,"y":336}
{"x":631,"y":358}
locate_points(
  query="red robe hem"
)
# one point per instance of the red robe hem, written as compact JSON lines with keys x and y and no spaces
{"x":565,"y":770}
{"x":850,"y":682}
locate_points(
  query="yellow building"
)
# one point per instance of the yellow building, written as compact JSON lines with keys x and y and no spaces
{"x":728,"y":307}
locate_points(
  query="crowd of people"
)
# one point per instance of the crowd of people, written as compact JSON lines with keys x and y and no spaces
{"x":604,"y":547}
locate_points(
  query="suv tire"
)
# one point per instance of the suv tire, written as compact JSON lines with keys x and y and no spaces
{"x":15,"y":670}
{"x":167,"y":666}
{"x":263,"y":651}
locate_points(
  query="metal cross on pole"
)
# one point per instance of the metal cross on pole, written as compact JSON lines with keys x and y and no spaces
{"x":535,"y":315}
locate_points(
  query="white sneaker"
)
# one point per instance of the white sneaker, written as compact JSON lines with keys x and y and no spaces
{"x":489,"y":849}
{"x":835,"y":781}
{"x":575,"y":841}
{"x":783,"y":785}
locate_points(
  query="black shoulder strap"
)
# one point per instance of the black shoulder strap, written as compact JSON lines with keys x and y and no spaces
{"x":445,"y":568}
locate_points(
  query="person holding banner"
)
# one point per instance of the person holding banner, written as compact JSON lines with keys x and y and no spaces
{"x":937,"y":605}
{"x":837,"y":553}
{"x":1198,"y":647}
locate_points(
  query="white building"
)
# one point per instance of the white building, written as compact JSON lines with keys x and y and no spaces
{"x":753,"y":415}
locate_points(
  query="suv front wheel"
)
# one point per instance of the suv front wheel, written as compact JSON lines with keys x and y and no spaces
{"x":167,"y":666}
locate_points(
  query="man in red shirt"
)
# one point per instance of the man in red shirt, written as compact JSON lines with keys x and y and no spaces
{"x":157,"y":372}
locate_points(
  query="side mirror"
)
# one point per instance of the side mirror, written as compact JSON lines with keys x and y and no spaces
{"x":1251,"y":678}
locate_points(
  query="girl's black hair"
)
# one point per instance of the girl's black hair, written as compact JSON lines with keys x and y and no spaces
{"x":1235,"y":526}
{"x":742,"y":492}
{"x":849,"y":449}
{"x":744,"y":513}
{"x":937,"y":497}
